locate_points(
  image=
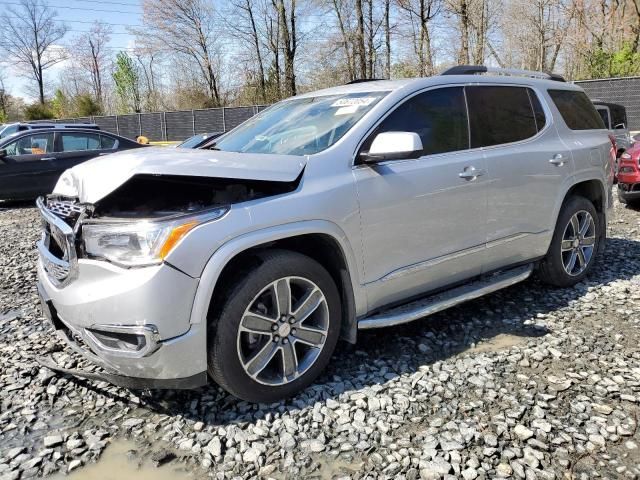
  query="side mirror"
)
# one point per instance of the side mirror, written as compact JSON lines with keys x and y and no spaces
{"x":393,"y":146}
{"x":3,"y":153}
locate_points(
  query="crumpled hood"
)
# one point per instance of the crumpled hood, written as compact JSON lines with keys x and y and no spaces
{"x":95,"y":179}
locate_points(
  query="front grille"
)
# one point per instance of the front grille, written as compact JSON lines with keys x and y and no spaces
{"x":67,"y":210}
{"x":57,"y":247}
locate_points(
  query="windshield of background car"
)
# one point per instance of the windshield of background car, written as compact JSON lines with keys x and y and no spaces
{"x":192,"y":142}
{"x":301,"y":126}
{"x":6,"y":130}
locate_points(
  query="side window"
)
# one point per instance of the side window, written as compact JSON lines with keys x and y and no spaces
{"x":36,"y":144}
{"x":107,"y":143}
{"x":577,"y":110}
{"x":618,"y":116}
{"x":75,"y":142}
{"x":499,"y":115}
{"x":538,"y":111}
{"x":438,"y":116}
{"x":604,"y":114}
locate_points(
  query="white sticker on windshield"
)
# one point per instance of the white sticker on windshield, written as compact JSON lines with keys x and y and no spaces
{"x":357,"y":102}
{"x":346,"y":110}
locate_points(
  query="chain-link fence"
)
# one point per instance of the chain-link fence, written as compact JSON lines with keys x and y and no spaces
{"x":623,"y":91}
{"x":171,"y":126}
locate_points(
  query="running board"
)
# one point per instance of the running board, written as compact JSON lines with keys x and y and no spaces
{"x":441,"y":301}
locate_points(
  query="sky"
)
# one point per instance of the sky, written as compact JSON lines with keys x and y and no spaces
{"x":78,"y":15}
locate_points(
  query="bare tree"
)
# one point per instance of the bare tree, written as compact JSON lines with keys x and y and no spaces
{"x":286,"y":11}
{"x":29,"y":37}
{"x":188,"y":28}
{"x":421,"y":13}
{"x":91,"y":55}
{"x":244,"y":25}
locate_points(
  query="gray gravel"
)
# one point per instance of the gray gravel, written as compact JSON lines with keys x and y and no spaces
{"x":531,"y":382}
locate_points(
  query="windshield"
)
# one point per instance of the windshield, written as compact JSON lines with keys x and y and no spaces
{"x":194,"y":141}
{"x":300,"y":126}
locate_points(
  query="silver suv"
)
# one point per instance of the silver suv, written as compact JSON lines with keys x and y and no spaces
{"x":362,"y":206}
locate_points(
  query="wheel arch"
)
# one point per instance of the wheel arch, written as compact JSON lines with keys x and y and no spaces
{"x":323,"y":241}
{"x":593,"y":190}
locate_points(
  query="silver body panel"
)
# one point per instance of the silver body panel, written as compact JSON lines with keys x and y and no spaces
{"x":405,"y":227}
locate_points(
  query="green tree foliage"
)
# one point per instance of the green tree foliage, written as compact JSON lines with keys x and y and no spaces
{"x":87,"y":106}
{"x":621,"y":63}
{"x":60,"y":105}
{"x":127,"y":81}
{"x":37,"y":111}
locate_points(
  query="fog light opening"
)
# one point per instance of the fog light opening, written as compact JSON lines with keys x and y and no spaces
{"x":130,"y":341}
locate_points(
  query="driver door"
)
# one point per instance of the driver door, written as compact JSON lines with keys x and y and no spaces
{"x":423,"y":219}
{"x":28,"y":169}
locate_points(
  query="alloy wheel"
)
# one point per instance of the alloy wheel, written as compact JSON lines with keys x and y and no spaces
{"x":578,"y":242}
{"x":283,"y":331}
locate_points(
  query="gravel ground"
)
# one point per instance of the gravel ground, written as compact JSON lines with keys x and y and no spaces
{"x":531,"y":382}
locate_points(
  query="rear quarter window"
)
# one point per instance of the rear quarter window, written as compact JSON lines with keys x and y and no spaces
{"x":501,"y":114}
{"x":577,"y":110}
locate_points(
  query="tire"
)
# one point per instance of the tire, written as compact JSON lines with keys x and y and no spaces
{"x":556,"y":268}
{"x":621,"y":198}
{"x":252,"y":349}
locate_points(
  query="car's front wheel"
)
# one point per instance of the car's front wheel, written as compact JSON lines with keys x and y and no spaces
{"x":277,"y":330}
{"x":574,"y":244}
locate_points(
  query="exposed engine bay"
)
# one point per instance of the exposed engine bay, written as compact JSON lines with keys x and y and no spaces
{"x":153,"y":196}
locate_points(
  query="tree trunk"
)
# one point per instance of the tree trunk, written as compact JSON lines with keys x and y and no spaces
{"x":387,"y":38}
{"x":463,"y":58}
{"x":362,"y":59}
{"x":256,"y":43}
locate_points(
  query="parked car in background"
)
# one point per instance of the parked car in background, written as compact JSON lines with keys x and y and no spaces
{"x":361,"y":206}
{"x":199,"y":140}
{"x":614,"y":117}
{"x":31,"y":161}
{"x":629,"y":176}
{"x":11,"y":128}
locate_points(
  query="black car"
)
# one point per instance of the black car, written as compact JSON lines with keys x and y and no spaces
{"x":31,"y":161}
{"x":11,"y":128}
{"x":199,"y":140}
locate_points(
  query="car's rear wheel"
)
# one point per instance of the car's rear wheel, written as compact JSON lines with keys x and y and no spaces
{"x":277,"y":330}
{"x":574,"y":244}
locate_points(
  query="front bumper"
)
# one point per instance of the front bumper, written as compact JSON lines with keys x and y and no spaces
{"x":178,"y":362}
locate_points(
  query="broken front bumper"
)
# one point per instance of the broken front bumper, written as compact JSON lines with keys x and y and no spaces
{"x":177,"y":363}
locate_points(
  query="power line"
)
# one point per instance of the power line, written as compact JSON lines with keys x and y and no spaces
{"x":56,"y":7}
{"x":90,"y":22}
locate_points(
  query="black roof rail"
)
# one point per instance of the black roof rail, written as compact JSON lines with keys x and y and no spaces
{"x":473,"y":69}
{"x":362,"y":80}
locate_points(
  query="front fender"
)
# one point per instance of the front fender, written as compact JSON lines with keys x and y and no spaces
{"x":226,"y":252}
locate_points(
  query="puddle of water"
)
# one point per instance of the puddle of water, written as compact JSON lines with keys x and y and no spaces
{"x":331,"y":468}
{"x":499,"y":342}
{"x":114,"y":464}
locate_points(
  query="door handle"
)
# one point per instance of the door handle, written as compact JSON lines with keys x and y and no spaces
{"x":471,"y":173}
{"x":557,"y":160}
{"x":48,"y":158}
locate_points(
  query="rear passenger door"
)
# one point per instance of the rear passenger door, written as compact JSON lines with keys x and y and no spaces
{"x":73,"y":148}
{"x":423,"y":219}
{"x":527,"y":164}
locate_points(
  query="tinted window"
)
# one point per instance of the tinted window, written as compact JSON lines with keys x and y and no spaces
{"x":74,"y":142}
{"x":618,"y":115}
{"x":8,"y":131}
{"x":499,"y":115}
{"x":107,"y":143}
{"x":577,"y":110}
{"x":604,"y":114}
{"x":438,"y":116}
{"x":37,"y":144}
{"x":538,"y":111}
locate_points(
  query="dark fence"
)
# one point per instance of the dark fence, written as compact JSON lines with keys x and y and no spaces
{"x":172,"y":126}
{"x":623,"y":91}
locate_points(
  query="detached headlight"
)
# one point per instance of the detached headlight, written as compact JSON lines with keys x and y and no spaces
{"x":141,"y":243}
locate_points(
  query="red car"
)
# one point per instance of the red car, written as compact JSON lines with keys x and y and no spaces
{"x":629,"y":176}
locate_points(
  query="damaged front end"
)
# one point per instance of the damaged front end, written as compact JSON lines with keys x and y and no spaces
{"x":118,"y":313}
